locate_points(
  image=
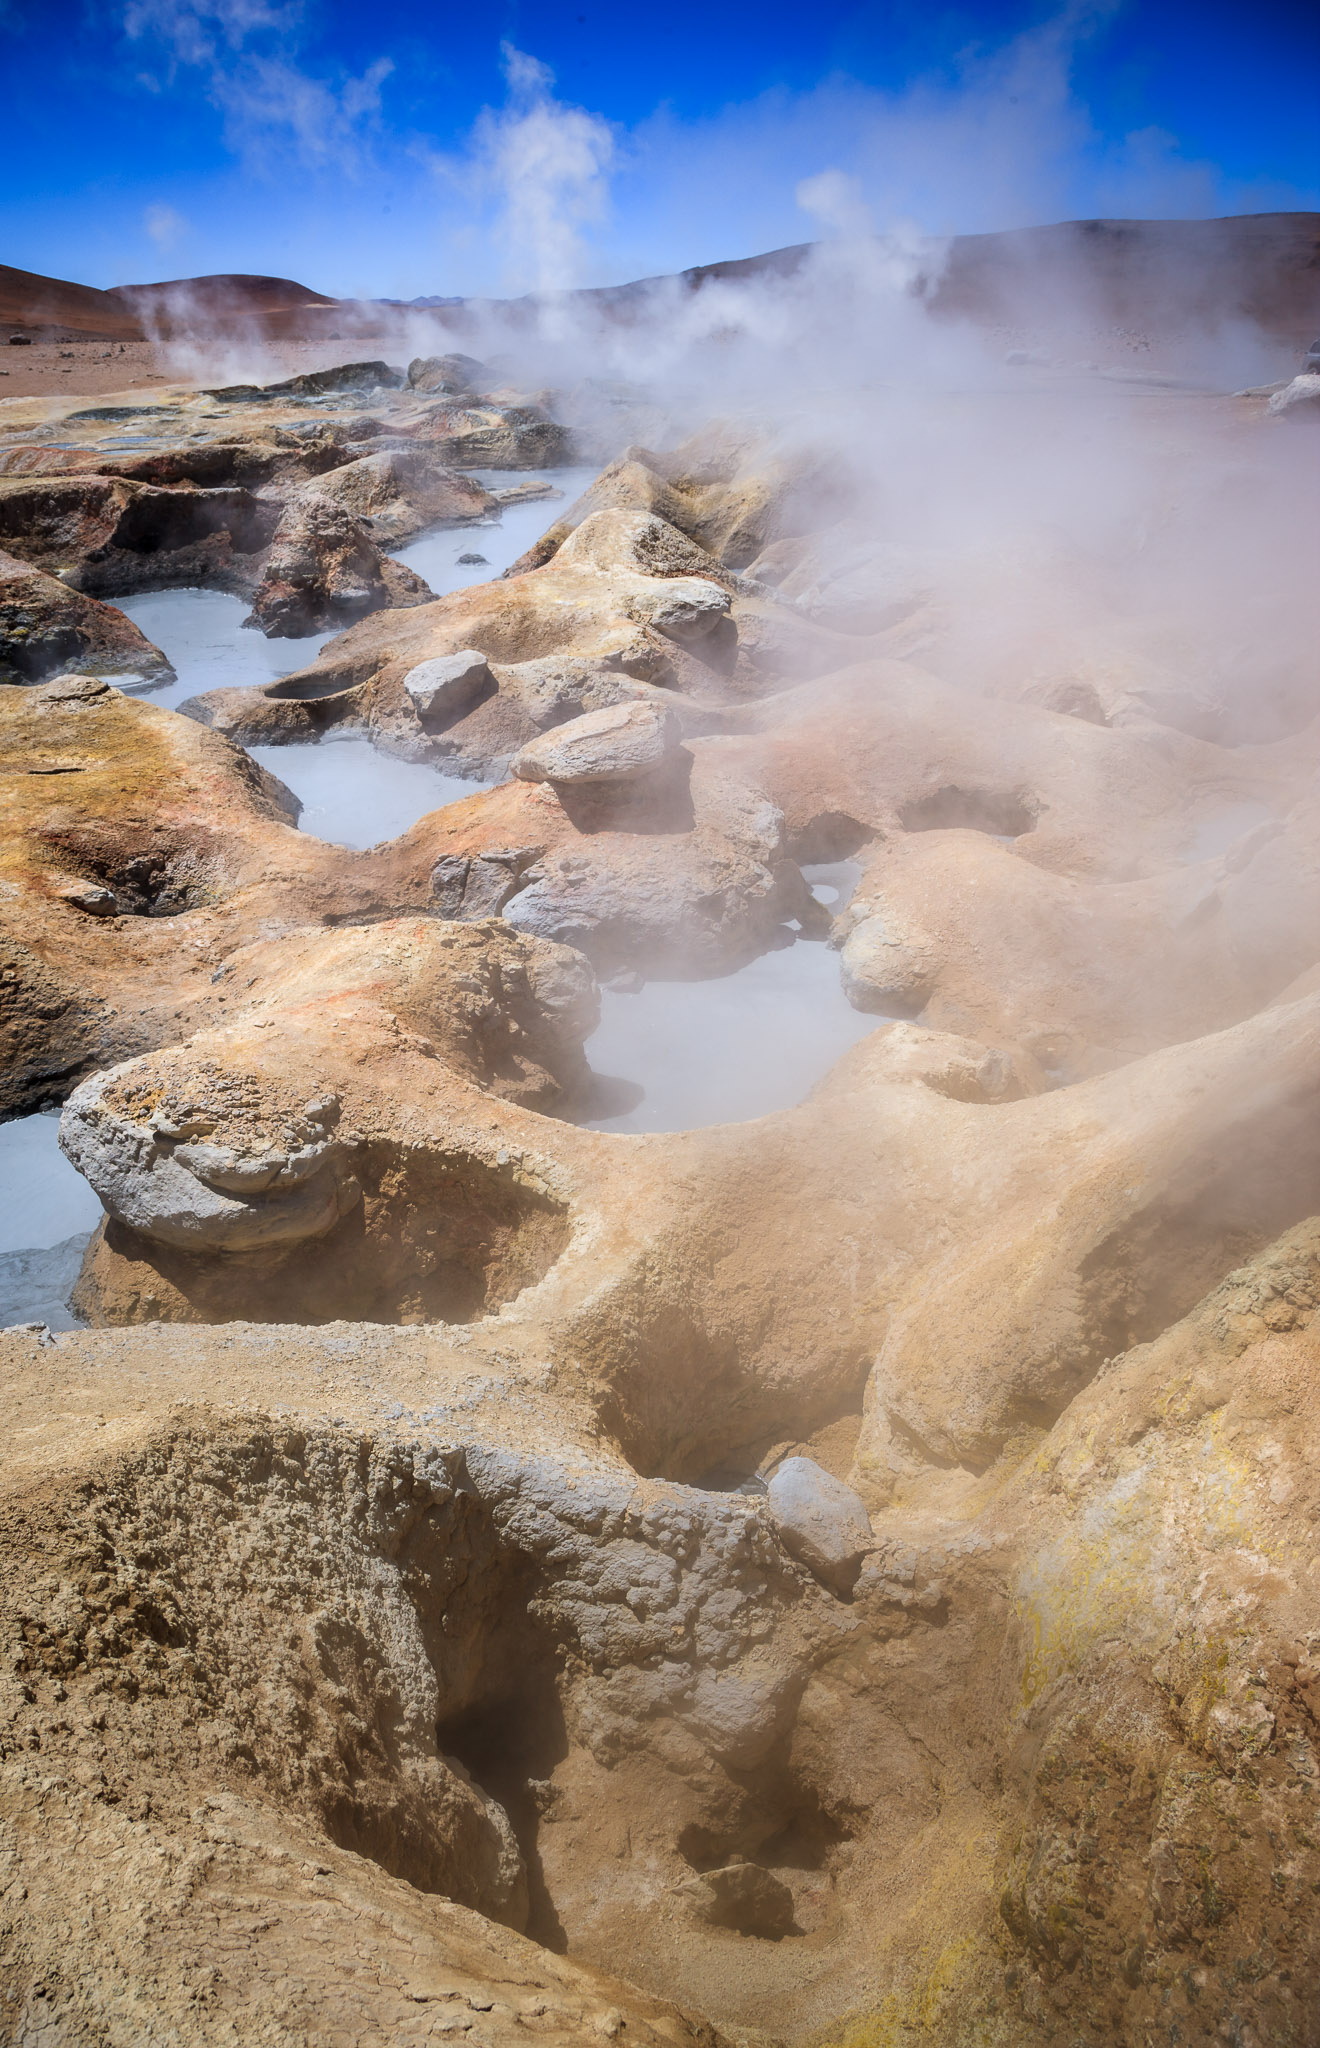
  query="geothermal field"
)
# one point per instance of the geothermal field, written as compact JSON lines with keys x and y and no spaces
{"x":660,"y":1197}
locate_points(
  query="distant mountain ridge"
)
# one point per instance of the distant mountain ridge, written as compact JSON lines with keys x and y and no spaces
{"x":1261,"y":267}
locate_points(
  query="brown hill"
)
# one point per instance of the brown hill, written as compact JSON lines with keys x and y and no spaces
{"x":1169,"y":275}
{"x":47,"y":306}
{"x":201,"y":304}
{"x":1158,"y":276}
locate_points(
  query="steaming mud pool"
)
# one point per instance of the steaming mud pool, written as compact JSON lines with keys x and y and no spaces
{"x":437,"y":557}
{"x":721,"y":1052}
{"x":352,"y":795}
{"x":676,"y":1055}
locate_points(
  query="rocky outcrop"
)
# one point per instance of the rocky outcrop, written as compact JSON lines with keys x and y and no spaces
{"x":215,"y":1152}
{"x":675,"y":1733}
{"x":295,"y":513}
{"x":108,"y":536}
{"x":47,"y":629}
{"x":495,"y":436}
{"x":626,"y":601}
{"x":1084,"y":974}
{"x":322,"y":570}
{"x":136,"y":848}
{"x":723,"y":490}
{"x":306,"y":566}
{"x":401,"y":491}
{"x":449,"y":374}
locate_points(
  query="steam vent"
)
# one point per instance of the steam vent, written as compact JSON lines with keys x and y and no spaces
{"x":661,"y":1177}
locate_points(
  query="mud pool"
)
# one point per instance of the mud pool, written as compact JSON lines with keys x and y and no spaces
{"x":720,"y":1052}
{"x":681,"y":1055}
{"x":435,"y":556}
{"x":47,"y":1213}
{"x":203,"y":635}
{"x":353,"y":795}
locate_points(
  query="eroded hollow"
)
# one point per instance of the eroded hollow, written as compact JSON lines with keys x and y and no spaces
{"x":307,"y":689}
{"x":437,"y":1237}
{"x":158,"y":878}
{"x":828,"y":837}
{"x":1005,"y":814}
{"x":423,"y":1651}
{"x":164,"y":522}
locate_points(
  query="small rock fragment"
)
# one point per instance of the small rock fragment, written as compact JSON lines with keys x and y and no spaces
{"x":90,"y":897}
{"x":1301,"y":398}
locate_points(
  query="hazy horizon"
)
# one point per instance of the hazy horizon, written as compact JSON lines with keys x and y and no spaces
{"x":386,"y":157}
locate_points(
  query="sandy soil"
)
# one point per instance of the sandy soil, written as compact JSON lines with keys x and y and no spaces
{"x":93,"y":368}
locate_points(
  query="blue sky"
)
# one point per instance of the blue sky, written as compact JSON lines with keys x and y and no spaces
{"x":399,"y":149}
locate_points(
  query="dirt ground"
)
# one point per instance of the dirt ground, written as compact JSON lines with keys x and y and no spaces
{"x":93,"y":368}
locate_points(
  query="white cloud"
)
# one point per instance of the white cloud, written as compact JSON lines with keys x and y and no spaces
{"x":164,"y":225}
{"x":271,"y":104}
{"x":200,"y":34}
{"x":248,"y":53}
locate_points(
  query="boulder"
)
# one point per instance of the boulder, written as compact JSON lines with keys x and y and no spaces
{"x":449,"y":374}
{"x":885,"y":968}
{"x":621,"y":743}
{"x":325,"y":570}
{"x":686,"y":609}
{"x":1300,"y":400}
{"x":450,"y":684}
{"x":821,"y":1520}
{"x":195,"y":1170}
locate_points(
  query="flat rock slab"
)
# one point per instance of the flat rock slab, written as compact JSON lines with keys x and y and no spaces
{"x":620,"y":743}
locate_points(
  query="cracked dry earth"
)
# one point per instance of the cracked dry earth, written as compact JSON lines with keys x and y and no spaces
{"x":844,"y":1577}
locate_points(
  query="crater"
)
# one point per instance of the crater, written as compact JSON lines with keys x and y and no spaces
{"x":1004,"y":814}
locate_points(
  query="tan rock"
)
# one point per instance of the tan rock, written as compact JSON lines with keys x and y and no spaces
{"x":402,"y":491}
{"x":618,"y":744}
{"x":445,"y":687}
